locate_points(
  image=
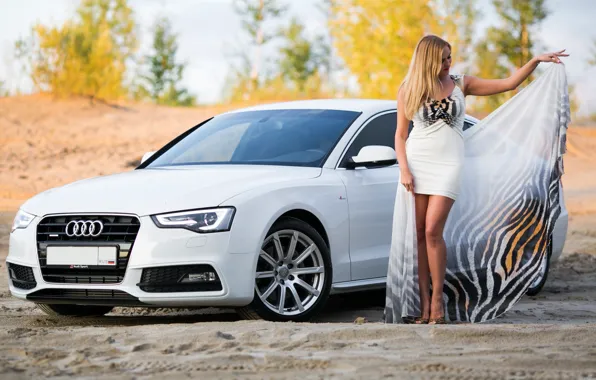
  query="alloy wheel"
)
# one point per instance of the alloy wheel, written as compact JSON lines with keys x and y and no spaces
{"x":290,"y":273}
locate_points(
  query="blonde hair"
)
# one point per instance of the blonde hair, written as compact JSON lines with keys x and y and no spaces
{"x":422,"y":80}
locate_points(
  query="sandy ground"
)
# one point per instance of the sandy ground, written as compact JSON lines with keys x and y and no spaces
{"x":45,"y":144}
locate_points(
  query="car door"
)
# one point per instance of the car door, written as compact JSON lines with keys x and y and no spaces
{"x":371,"y":198}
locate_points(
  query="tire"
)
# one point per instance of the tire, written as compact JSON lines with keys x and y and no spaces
{"x":64,"y":310}
{"x":538,"y":283}
{"x":311,"y":254}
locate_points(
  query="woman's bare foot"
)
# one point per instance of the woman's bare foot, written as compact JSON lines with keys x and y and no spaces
{"x":437,"y":311}
{"x":424,"y":311}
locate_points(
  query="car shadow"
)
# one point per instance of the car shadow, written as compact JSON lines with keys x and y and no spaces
{"x":341,"y":308}
{"x":345,"y":308}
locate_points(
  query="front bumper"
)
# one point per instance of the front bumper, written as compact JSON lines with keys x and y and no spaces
{"x":153,"y":247}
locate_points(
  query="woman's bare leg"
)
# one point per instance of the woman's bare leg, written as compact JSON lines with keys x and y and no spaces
{"x":436,"y":217}
{"x":423,"y":271}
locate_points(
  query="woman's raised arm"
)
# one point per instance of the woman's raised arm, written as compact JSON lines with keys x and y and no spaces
{"x":483,"y":87}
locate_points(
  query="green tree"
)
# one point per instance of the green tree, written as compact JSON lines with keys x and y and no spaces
{"x":462,"y":16}
{"x":255,"y":15}
{"x":301,"y":58}
{"x":238,"y":84}
{"x":161,"y":83}
{"x":376,"y":39}
{"x":86,"y":56}
{"x":488,"y":64}
{"x":507,"y":46}
{"x":514,"y":38}
{"x":332,"y":68}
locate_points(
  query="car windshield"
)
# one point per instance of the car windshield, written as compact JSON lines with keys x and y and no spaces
{"x":270,"y":137}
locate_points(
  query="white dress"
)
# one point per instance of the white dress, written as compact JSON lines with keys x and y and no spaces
{"x":435,"y":147}
{"x":508,"y":199}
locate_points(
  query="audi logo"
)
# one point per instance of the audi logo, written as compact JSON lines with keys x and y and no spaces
{"x":84,"y":228}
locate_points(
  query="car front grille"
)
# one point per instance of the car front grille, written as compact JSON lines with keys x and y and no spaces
{"x":21,"y":276}
{"x":176,"y":279}
{"x":118,"y":230}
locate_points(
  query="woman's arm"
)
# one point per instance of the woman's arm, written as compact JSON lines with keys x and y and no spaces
{"x":401,"y":135}
{"x":484,"y":87}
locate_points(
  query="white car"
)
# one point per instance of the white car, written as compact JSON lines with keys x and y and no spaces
{"x":268,"y":210}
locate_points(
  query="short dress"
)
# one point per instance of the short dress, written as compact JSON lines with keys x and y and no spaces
{"x":435,"y":146}
{"x":502,"y":227}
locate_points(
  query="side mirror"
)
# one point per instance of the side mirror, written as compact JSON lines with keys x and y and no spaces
{"x":146,"y":156}
{"x":373,"y":155}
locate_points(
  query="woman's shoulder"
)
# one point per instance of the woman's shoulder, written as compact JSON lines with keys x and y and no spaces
{"x":458,"y":78}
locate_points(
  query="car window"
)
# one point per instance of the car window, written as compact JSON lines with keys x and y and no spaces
{"x":378,"y":131}
{"x":301,"y":137}
{"x":219,"y":146}
{"x":467,"y":124}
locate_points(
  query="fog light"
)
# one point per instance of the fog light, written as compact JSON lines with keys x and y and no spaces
{"x":200,"y":277}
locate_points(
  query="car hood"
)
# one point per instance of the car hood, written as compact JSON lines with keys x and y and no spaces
{"x":152,"y":191}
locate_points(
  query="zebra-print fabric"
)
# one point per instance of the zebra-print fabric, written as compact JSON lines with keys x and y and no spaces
{"x":500,"y":226}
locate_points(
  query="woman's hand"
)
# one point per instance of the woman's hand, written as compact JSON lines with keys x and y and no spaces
{"x":551,"y":57}
{"x":407,"y":180}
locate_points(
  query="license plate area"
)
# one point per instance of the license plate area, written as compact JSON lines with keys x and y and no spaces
{"x":82,"y":256}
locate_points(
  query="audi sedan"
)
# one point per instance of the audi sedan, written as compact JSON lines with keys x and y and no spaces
{"x":268,"y":210}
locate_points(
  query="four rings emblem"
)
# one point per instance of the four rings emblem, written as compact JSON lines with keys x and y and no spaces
{"x":84,"y":228}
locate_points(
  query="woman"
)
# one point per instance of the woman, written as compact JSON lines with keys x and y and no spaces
{"x":431,"y":160}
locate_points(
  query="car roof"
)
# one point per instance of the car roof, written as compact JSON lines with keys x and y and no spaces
{"x":349,"y":104}
{"x":365,"y":106}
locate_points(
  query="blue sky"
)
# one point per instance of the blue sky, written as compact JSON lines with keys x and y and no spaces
{"x":208,"y":29}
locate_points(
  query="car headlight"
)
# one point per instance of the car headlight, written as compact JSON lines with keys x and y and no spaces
{"x":208,"y":220}
{"x":22,"y":220}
